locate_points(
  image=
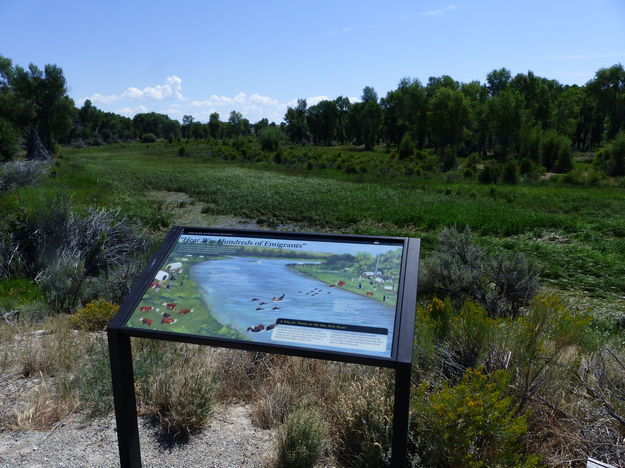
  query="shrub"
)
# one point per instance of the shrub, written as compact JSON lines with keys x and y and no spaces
{"x":612,"y":158}
{"x":182,"y":151}
{"x":545,"y":340}
{"x":22,"y":173}
{"x":470,"y":424}
{"x":460,"y":270}
{"x":588,"y":177}
{"x":510,"y":173}
{"x":148,"y":138}
{"x":364,"y":422}
{"x":473,"y":160}
{"x":406,"y":147}
{"x":180,"y":396}
{"x":71,"y":253}
{"x":301,"y":440}
{"x":15,"y":292}
{"x":489,"y":174}
{"x":94,"y":316}
{"x":448,"y":159}
{"x":554,"y":147}
{"x":527,"y":168}
{"x":564,"y":162}
{"x":470,"y":332}
{"x":270,"y":138}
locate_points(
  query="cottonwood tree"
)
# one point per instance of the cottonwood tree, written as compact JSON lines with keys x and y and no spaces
{"x":448,"y":112}
{"x":296,"y":125}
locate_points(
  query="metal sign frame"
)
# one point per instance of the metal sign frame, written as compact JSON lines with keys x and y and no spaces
{"x":401,"y":352}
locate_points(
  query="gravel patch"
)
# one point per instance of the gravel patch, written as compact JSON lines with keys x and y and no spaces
{"x":230,"y":441}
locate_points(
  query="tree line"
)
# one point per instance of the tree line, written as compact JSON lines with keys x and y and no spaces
{"x":508,"y":117}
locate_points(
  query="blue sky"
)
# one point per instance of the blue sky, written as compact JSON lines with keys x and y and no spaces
{"x":198,"y":57}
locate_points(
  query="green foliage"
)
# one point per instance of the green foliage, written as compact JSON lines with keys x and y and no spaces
{"x":301,"y":439}
{"x":578,"y":176}
{"x":72,"y":254}
{"x":182,"y":151}
{"x":546,"y":337}
{"x":19,"y":290}
{"x":9,"y":140}
{"x":471,"y":424}
{"x":94,"y":316}
{"x":447,"y":115}
{"x":612,"y":158}
{"x":510,"y":173}
{"x":148,"y":138}
{"x":489,"y":174}
{"x":527,"y":167}
{"x":448,"y":159}
{"x":406,"y":147}
{"x":555,"y":151}
{"x":270,"y":138}
{"x":461,"y":270}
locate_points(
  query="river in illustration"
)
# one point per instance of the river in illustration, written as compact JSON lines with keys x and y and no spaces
{"x":243,"y":292}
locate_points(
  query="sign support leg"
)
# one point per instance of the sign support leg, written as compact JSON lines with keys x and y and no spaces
{"x":124,"y":397}
{"x":399,"y":453}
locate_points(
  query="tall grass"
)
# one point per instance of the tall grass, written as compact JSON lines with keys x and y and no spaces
{"x":576,"y":234}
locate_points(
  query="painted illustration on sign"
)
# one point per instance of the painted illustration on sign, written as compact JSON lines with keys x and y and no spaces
{"x":338,"y":296}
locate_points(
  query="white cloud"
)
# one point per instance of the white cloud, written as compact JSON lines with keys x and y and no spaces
{"x":97,"y":97}
{"x":438,"y":12}
{"x":168,"y":98}
{"x":172,"y":87}
{"x":264,"y":100}
{"x":316,"y":100}
{"x":131,"y":111}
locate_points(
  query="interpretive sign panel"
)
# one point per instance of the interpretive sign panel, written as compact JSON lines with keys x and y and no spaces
{"x":327,"y":296}
{"x":332,"y":295}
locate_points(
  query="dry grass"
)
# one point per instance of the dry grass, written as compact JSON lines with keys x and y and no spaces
{"x":295,"y":383}
{"x":567,"y":437}
{"x":239,"y":374}
{"x":45,"y":407}
{"x":50,"y":348}
{"x":180,"y":395}
{"x":362,"y":420}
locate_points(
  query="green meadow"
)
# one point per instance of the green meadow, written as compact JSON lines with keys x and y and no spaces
{"x":576,"y":234}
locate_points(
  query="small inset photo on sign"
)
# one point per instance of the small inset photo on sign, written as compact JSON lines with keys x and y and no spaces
{"x":335,"y":296}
